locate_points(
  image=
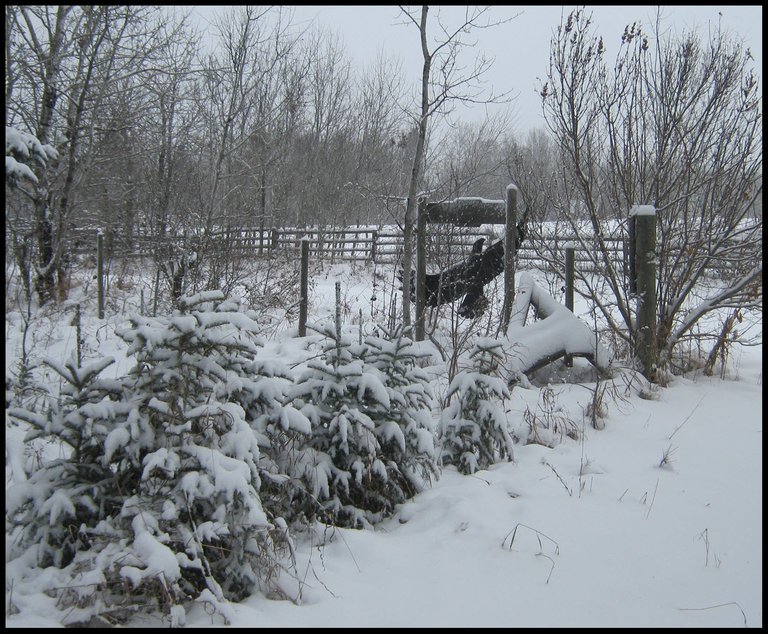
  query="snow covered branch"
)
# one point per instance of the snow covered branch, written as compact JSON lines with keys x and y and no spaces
{"x":21,"y":149}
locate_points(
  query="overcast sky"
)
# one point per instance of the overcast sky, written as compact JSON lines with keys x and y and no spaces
{"x":520,"y":47}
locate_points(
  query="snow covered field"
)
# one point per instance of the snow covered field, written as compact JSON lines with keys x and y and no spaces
{"x":654,"y":520}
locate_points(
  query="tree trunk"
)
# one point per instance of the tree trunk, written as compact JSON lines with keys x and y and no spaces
{"x":416,"y":170}
{"x":45,"y":283}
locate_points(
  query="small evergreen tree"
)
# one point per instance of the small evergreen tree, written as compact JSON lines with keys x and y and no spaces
{"x":160,"y":487}
{"x":405,"y":429}
{"x":372,"y":443}
{"x":341,"y":461}
{"x":55,"y":506}
{"x":282,"y":432}
{"x":198,"y":491}
{"x":473,"y":428}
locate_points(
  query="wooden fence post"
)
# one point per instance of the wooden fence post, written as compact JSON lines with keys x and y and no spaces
{"x":645,"y":267}
{"x":421,"y":270}
{"x":304,"y":285}
{"x":630,"y":257}
{"x":100,"y":272}
{"x":338,"y":324}
{"x":570,"y":265}
{"x":374,"y":236}
{"x":78,"y":337}
{"x":510,"y":249}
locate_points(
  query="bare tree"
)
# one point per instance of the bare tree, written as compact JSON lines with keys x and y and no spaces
{"x":68,"y":62}
{"x":231,"y":84}
{"x":11,"y":13}
{"x":21,"y":151}
{"x":237,"y":112}
{"x":471,"y":161}
{"x":31,"y":26}
{"x":533,"y":166}
{"x":676,"y":123}
{"x":379,"y":170}
{"x":326,"y":146}
{"x":276,"y":118}
{"x":443,"y":83}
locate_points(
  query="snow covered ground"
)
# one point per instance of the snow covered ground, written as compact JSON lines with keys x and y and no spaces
{"x":654,"y":520}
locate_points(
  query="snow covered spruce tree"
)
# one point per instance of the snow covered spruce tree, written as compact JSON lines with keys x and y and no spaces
{"x":282,"y":432}
{"x":197,"y":495}
{"x":159,"y":495}
{"x":405,"y":430}
{"x":371,"y":447}
{"x":473,"y":428}
{"x":56,"y":502}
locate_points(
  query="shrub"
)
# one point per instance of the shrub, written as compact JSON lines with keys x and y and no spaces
{"x":371,"y":446}
{"x":473,"y":428}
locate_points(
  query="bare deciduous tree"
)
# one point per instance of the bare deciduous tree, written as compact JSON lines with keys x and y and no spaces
{"x":471,"y":160}
{"x":444,"y":83}
{"x":533,"y":165}
{"x":69,"y":61}
{"x":676,"y":123}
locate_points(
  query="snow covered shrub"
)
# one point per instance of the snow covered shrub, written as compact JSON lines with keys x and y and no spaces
{"x":405,"y":429}
{"x":197,"y":496}
{"x":60,"y":500}
{"x":159,"y":492}
{"x":371,"y":447}
{"x":473,"y":428}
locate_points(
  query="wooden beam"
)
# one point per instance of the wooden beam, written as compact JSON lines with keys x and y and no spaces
{"x":467,"y":212}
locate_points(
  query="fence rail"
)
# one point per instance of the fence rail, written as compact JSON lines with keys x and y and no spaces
{"x":375,"y":244}
{"x":381,"y":244}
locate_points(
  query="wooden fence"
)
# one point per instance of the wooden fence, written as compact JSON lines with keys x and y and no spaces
{"x":382,"y":244}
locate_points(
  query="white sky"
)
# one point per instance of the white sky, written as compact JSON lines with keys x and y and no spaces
{"x":520,"y":47}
